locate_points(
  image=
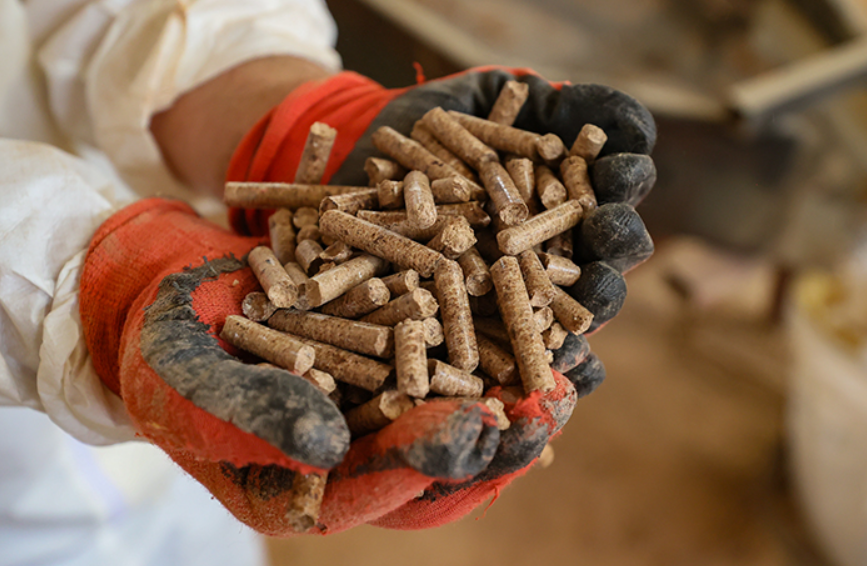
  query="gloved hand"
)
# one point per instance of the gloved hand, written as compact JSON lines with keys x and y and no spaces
{"x":611,"y":239}
{"x":157,"y":286}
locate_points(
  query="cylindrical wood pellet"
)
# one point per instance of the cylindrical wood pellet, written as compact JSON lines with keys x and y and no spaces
{"x":509,"y":102}
{"x":280,"y":195}
{"x":410,"y":358}
{"x":457,"y":139}
{"x":512,"y":140}
{"x":417,"y":305}
{"x":423,"y":135}
{"x":309,"y":232}
{"x":257,"y":307}
{"x":391,"y":219}
{"x":456,"y":316}
{"x":539,"y":287}
{"x":323,"y":380}
{"x":570,"y":313}
{"x":476,"y":273}
{"x":418,"y":199}
{"x":433,"y":332}
{"x":351,"y":203}
{"x":555,"y":336}
{"x":347,"y":366}
{"x":317,"y":149}
{"x":573,"y":169}
{"x":505,"y":198}
{"x":362,"y":299}
{"x":306,"y":216}
{"x":551,"y":191}
{"x":521,"y":171}
{"x":451,"y":191}
{"x":378,"y":241}
{"x":297,"y":275}
{"x":352,"y":335}
{"x":379,"y":170}
{"x":539,"y":228}
{"x":497,"y":362}
{"x":278,"y":348}
{"x":517,"y":315}
{"x":377,"y":413}
{"x":282,"y":235}
{"x":453,"y":382}
{"x":327,"y":286}
{"x":307,"y":255}
{"x":454,"y":239}
{"x":402,"y":282}
{"x":589,"y":142}
{"x":390,"y":194}
{"x":561,"y":271}
{"x":544,"y":318}
{"x":337,"y":253}
{"x":305,"y":504}
{"x":273,"y":278}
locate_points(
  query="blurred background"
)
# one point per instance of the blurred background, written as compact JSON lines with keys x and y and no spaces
{"x":732,"y":426}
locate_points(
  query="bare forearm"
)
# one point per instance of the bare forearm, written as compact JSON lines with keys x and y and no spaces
{"x":198,"y":134}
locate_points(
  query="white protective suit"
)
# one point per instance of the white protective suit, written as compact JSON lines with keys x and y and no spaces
{"x":79,"y":82}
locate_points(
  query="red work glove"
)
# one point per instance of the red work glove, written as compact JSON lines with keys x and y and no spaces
{"x":157,"y":286}
{"x":622,"y":176}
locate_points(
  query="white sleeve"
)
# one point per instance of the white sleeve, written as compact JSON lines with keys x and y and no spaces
{"x":112,"y":64}
{"x":52,"y":205}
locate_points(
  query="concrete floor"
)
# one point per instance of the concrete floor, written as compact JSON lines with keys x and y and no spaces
{"x":676,"y":459}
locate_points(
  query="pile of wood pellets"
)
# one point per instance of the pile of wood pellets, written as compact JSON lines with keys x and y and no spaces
{"x":441,"y":279}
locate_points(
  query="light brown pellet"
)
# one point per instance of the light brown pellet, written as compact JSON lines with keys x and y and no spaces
{"x":306,"y":216}
{"x":497,"y":362}
{"x":512,"y":140}
{"x":323,"y":380}
{"x":561,"y":271}
{"x":456,"y":316}
{"x":390,"y":193}
{"x":362,"y":299}
{"x":539,"y":228}
{"x":317,"y":149}
{"x":282,"y":235}
{"x":453,"y":382}
{"x":561,"y":245}
{"x":573,"y":169}
{"x":410,"y":358}
{"x":454,"y":239}
{"x":538,"y":284}
{"x":297,"y":275}
{"x":499,"y":409}
{"x":418,"y":199}
{"x":452,"y":190}
{"x":347,"y":366}
{"x":433,"y":332}
{"x":570,"y":313}
{"x":512,"y":97}
{"x":325,"y":287}
{"x":505,"y":198}
{"x":397,"y":219}
{"x":352,"y":335}
{"x":257,"y":307}
{"x":555,"y":336}
{"x":517,"y":315}
{"x":309,"y":232}
{"x":380,"y":242}
{"x":308,"y":491}
{"x":280,"y":195}
{"x":544,"y":317}
{"x":551,"y":191}
{"x":278,"y":348}
{"x":476,"y":273}
{"x":521,"y":171}
{"x":402,"y":282}
{"x":425,"y":137}
{"x":273,"y":278}
{"x":337,"y":253}
{"x":379,"y":170}
{"x":457,"y":139}
{"x":307,"y":255}
{"x":589,"y":142}
{"x":417,"y":305}
{"x":351,"y":203}
{"x":377,"y":413}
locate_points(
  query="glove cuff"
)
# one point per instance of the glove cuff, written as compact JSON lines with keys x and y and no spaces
{"x":272,"y":149}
